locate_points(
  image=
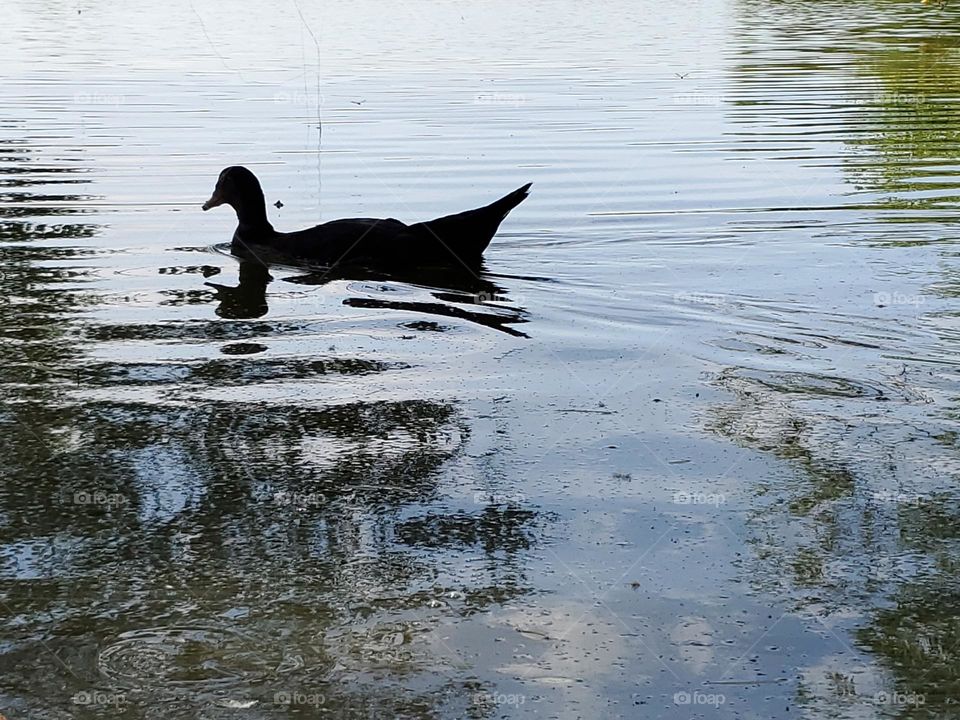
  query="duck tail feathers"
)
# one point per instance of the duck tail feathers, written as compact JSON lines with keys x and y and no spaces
{"x":467,"y":234}
{"x":509,"y":201}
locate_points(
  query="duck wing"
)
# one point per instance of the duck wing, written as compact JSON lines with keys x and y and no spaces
{"x":354,"y":240}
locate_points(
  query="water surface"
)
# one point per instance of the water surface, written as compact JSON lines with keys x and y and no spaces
{"x":687,"y":445}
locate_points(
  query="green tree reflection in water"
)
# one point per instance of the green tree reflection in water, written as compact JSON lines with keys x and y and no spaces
{"x":861,"y":536}
{"x":908,"y":142}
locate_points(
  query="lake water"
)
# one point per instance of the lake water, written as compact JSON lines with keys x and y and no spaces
{"x":687,"y":447}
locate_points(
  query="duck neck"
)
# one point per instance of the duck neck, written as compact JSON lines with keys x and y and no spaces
{"x":252,"y":213}
{"x":253,"y":218}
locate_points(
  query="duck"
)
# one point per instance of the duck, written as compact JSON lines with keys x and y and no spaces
{"x":370,"y":242}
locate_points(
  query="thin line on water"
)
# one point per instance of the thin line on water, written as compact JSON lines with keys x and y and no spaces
{"x":316,"y":44}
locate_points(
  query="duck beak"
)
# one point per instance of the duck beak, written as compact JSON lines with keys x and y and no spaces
{"x":214,"y":200}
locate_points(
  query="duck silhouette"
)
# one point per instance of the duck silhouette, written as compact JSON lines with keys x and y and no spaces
{"x":370,"y":242}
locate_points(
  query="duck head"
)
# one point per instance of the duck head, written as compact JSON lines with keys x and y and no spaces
{"x":240,"y":189}
{"x":235,"y":186}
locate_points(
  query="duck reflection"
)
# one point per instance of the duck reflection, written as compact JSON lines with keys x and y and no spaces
{"x":248,"y":299}
{"x":459,"y":293}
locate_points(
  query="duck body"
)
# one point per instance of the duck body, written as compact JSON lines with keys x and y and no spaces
{"x":356,"y":241}
{"x":371,"y":242}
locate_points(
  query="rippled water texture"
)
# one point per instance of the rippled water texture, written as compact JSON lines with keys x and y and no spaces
{"x":687,"y":446}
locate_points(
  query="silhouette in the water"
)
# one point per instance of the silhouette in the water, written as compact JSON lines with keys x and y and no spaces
{"x":248,"y":299}
{"x":383,"y":243}
{"x":457,"y":293}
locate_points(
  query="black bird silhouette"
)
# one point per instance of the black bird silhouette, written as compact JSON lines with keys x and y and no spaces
{"x":370,"y":242}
